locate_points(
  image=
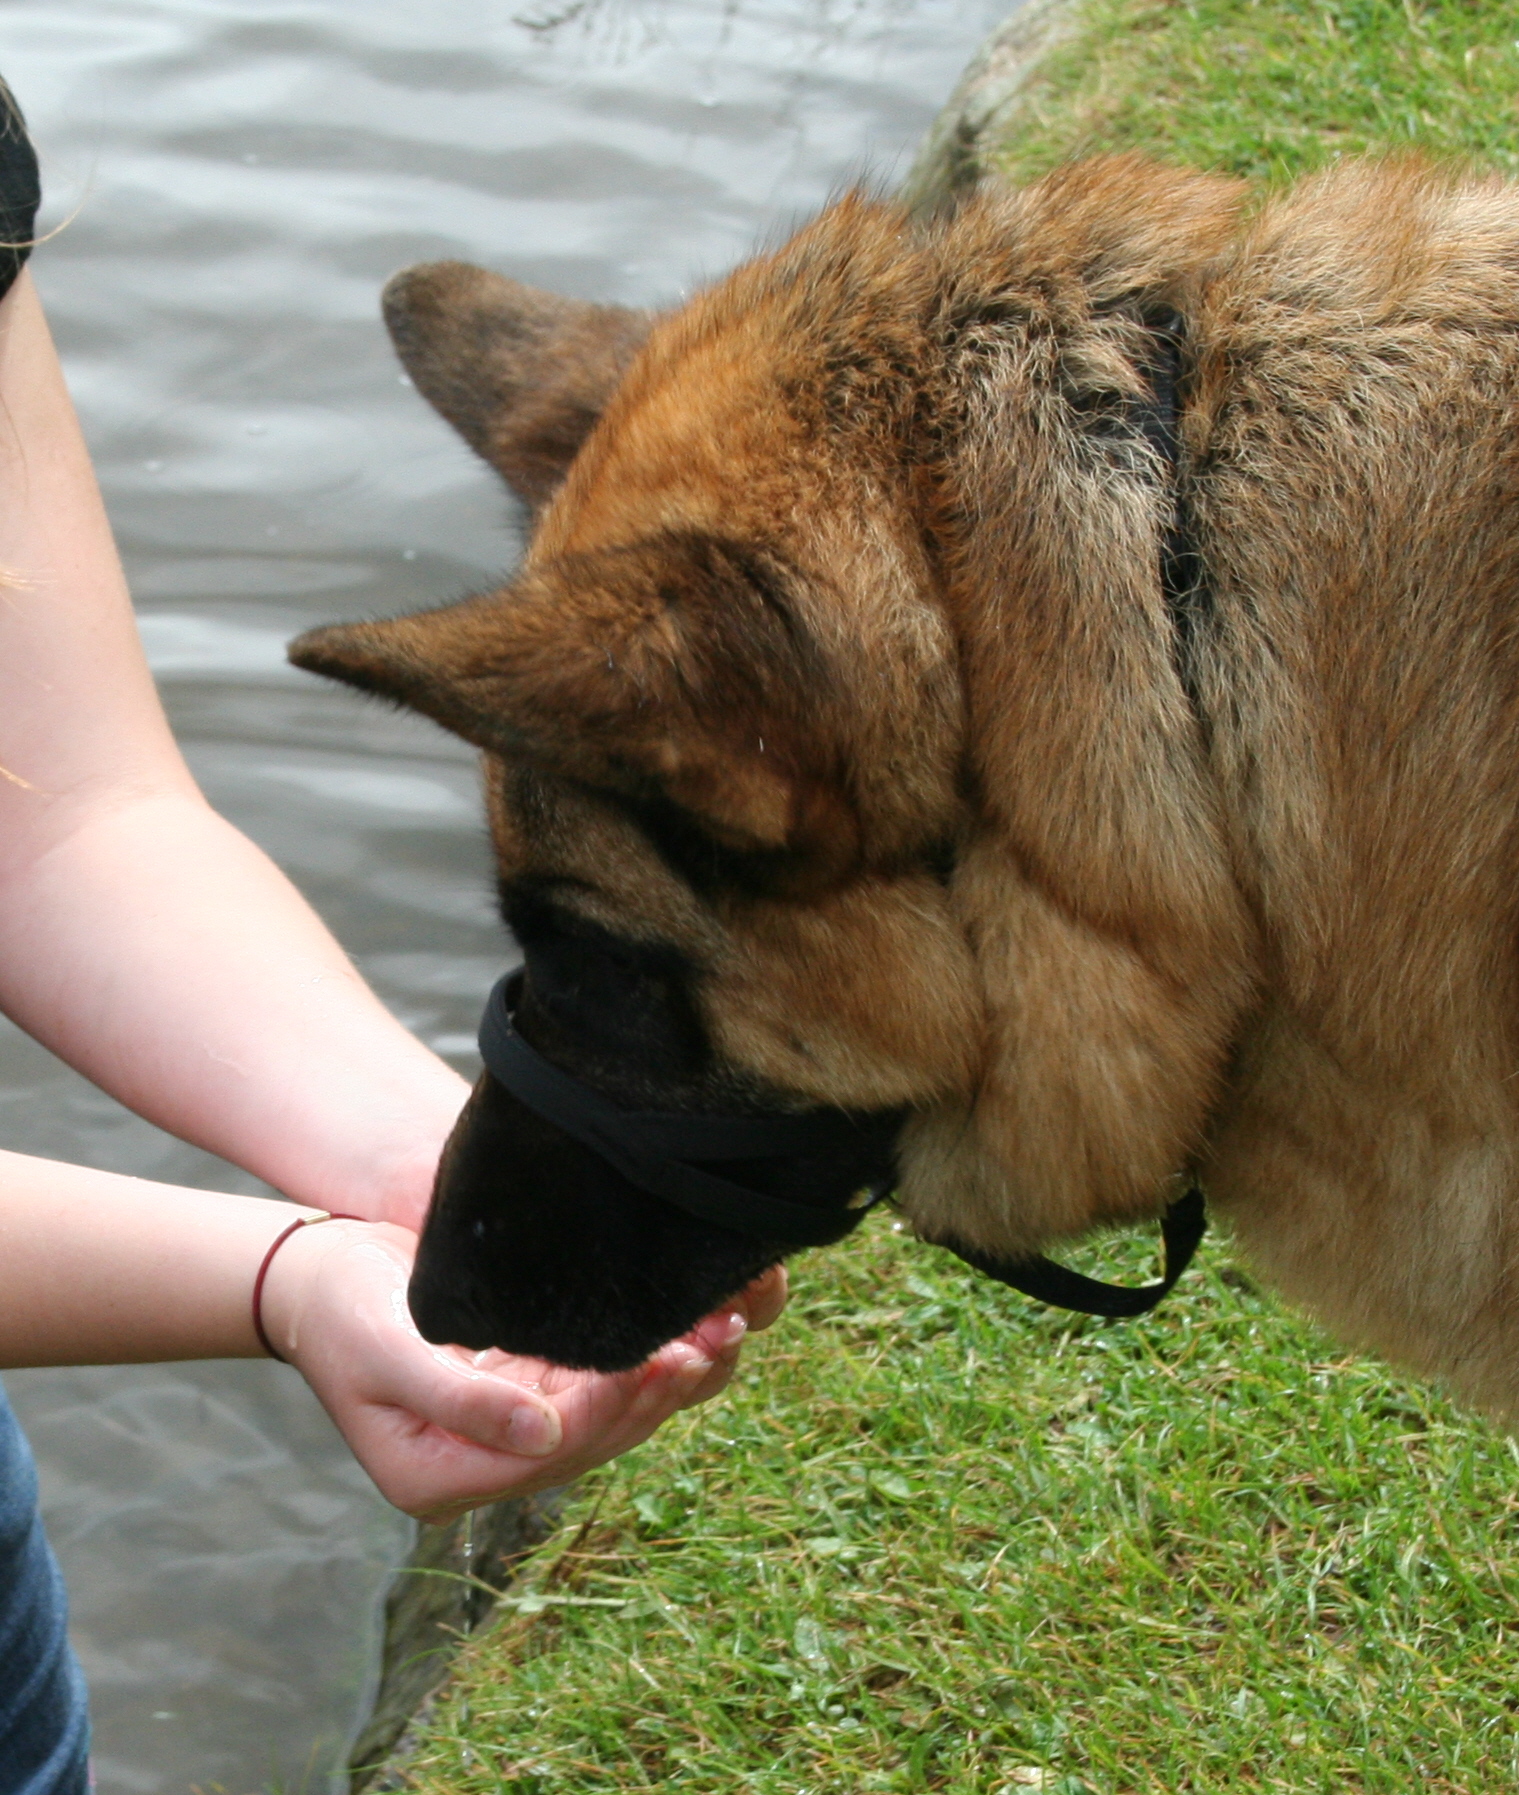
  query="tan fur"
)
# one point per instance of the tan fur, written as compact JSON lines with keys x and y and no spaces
{"x":1277,"y":940}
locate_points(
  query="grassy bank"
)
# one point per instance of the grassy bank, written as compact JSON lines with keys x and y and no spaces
{"x":1271,"y":88}
{"x":939,"y":1538}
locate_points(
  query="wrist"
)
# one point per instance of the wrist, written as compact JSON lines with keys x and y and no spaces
{"x":404,"y":1177}
{"x":287,"y":1291}
{"x":261,"y":1333}
{"x":391,"y":1178}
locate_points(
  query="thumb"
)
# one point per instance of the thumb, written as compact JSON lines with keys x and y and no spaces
{"x":445,"y":1387}
{"x":357,"y":1345}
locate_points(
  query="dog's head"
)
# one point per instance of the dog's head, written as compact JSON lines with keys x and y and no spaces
{"x":722,"y":729}
{"x":724,"y":709}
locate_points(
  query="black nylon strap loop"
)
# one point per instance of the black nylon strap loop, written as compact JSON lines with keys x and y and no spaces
{"x":650,"y":1150}
{"x":1181,"y":1229}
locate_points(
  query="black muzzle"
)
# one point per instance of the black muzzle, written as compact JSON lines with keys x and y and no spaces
{"x":672,"y":1155}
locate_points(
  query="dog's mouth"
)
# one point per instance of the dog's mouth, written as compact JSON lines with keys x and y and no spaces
{"x":568,"y":1226}
{"x":710,"y":1166}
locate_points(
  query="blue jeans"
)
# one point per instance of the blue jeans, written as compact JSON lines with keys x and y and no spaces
{"x":44,"y":1723}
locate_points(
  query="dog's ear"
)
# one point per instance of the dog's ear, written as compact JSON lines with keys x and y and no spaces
{"x":521,"y":374}
{"x":678,"y":670}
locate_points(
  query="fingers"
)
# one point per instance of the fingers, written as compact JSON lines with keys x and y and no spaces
{"x":713,"y":1384}
{"x":436,"y":1476}
{"x":498,"y":1412}
{"x":765,"y":1298}
{"x":606,"y":1416}
{"x":722,"y":1334}
{"x":460,"y":1455}
{"x":442,"y":1430}
{"x":720,"y":1339}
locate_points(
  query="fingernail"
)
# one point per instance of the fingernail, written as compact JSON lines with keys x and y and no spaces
{"x":735,"y":1328}
{"x":694,"y":1369}
{"x":531,"y":1432}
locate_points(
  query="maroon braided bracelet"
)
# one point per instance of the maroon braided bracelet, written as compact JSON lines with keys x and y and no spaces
{"x":301,"y":1221}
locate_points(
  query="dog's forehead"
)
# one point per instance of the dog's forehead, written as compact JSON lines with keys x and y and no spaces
{"x":701,"y":433}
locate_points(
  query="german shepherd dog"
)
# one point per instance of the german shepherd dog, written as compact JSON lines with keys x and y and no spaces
{"x":849,"y":752}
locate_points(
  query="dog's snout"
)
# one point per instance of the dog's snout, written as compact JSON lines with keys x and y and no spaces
{"x":445,"y":1314}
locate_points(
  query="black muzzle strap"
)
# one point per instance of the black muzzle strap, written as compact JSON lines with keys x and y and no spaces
{"x":1181,"y":1229}
{"x":655,"y":1150}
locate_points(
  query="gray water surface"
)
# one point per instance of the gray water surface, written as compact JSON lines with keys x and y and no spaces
{"x":234,"y":180}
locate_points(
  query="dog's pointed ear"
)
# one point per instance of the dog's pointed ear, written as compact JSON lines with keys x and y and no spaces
{"x":521,"y":374}
{"x":677,"y":670}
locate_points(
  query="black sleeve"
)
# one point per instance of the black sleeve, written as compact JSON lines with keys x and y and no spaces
{"x":20,"y":190}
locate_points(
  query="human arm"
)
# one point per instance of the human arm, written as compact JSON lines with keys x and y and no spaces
{"x":155,"y":948}
{"x":97,"y":1268}
{"x":142,"y":937}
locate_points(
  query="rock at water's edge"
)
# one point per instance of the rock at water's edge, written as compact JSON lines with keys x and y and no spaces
{"x":443,"y":1592}
{"x":984,"y":108}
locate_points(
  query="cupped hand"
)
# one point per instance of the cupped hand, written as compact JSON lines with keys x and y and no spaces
{"x":441,"y":1429}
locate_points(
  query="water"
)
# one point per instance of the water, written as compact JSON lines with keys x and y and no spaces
{"x":237,"y":179}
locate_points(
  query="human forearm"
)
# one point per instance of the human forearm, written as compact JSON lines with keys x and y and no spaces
{"x":141,"y":937}
{"x":96,"y":1268}
{"x":210,"y":998}
{"x":101,"y":1269}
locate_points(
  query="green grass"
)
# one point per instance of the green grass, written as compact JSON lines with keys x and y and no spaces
{"x":1273,"y":88}
{"x":937,"y":1535}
